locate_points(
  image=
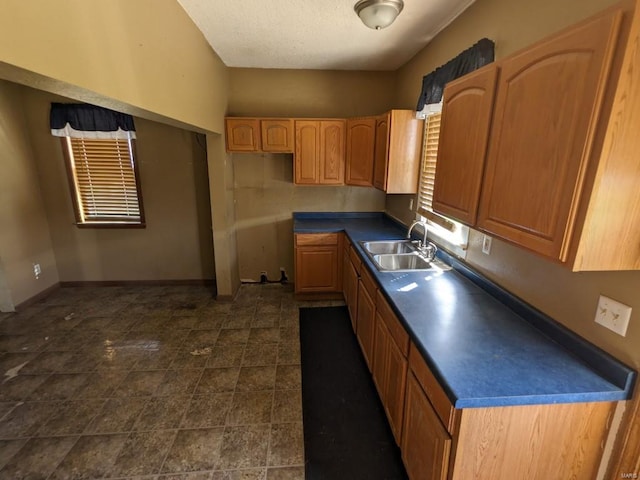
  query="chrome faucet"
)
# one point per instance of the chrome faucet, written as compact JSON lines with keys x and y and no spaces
{"x":426,"y":248}
{"x":422,"y":242}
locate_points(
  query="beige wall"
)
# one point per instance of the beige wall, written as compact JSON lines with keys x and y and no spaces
{"x":177,"y":242}
{"x":24,"y":229}
{"x":309,"y":93}
{"x":144,"y":57}
{"x":264,"y":192}
{"x":265,"y":199}
{"x":570,"y":298}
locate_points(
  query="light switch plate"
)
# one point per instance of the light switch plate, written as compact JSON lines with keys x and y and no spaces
{"x":613,"y":315}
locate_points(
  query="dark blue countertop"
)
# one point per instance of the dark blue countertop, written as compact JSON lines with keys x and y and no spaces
{"x":485,"y":346}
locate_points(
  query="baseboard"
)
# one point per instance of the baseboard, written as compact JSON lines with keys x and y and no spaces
{"x":319,"y":296}
{"x":139,"y":283}
{"x":37,"y":297}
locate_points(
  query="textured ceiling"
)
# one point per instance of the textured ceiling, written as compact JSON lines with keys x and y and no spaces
{"x":316,"y":34}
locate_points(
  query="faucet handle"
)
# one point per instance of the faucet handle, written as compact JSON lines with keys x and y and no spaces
{"x":429,"y":250}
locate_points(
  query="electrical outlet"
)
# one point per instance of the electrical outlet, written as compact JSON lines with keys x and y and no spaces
{"x":36,"y":270}
{"x":613,"y":315}
{"x":486,"y":244}
{"x":411,"y":204}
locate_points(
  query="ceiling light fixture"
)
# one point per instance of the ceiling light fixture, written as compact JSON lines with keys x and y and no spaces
{"x":378,"y":14}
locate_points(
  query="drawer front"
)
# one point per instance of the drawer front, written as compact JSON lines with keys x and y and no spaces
{"x":397,"y":331}
{"x":369,"y":283}
{"x":316,"y":239}
{"x":432,"y":388}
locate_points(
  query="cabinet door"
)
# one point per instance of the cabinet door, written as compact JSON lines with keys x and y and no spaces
{"x":462,"y":146}
{"x":332,"y":152}
{"x":352,"y":285}
{"x":365,"y":330}
{"x":380,"y":346}
{"x":406,"y":133}
{"x":381,"y":152}
{"x":360,"y":146}
{"x":307,"y":155}
{"x":277,"y":135}
{"x":426,"y":445}
{"x":317,"y":269}
{"x":396,"y":379}
{"x":243,"y":134}
{"x":547,"y":104}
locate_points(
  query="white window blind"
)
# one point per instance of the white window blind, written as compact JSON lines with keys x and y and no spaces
{"x":104,"y":181}
{"x":428,"y":172}
{"x":428,"y":169}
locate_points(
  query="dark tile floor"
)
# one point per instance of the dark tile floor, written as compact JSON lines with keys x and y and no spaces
{"x":152,"y":383}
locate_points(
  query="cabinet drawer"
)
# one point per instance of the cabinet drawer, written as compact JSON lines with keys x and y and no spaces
{"x":316,"y":239}
{"x":369,"y":283}
{"x":432,"y":388}
{"x":397,"y":331}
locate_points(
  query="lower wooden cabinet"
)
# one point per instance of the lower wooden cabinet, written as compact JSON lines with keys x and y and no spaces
{"x":441,"y":442}
{"x":365,"y":325}
{"x":391,"y":345}
{"x":426,"y":444}
{"x":318,"y":263}
{"x":352,"y":276}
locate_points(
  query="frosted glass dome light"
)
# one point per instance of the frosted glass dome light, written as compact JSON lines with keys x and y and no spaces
{"x":378,"y":14}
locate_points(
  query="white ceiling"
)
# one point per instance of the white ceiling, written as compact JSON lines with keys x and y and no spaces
{"x":316,"y":34}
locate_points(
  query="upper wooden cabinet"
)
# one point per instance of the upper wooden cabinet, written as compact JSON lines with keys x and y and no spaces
{"x":319,"y":152}
{"x":398,"y":145}
{"x":259,"y":134}
{"x":243,"y":134}
{"x":462,"y":145}
{"x":548,"y":102}
{"x":562,"y":160}
{"x":277,"y":135}
{"x":361,"y":134}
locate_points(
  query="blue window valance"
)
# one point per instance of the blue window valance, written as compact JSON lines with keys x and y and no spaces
{"x":478,"y":55}
{"x":89,"y":121}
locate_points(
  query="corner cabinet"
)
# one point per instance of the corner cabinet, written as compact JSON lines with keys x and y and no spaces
{"x":562,"y":156}
{"x":319,"y":152}
{"x":398,"y":148}
{"x":318,"y":263}
{"x":361,"y":135}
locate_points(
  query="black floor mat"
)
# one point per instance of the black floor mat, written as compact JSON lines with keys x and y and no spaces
{"x":346,"y":434}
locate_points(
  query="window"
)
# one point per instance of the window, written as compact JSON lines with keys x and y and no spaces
{"x":453,"y":234}
{"x":104,"y":182}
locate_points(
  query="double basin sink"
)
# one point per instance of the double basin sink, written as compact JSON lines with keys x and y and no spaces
{"x":396,"y":255}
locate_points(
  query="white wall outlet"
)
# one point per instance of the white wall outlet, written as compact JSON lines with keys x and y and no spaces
{"x":36,"y":270}
{"x":613,"y":315}
{"x":486,"y":244}
{"x":411,"y":204}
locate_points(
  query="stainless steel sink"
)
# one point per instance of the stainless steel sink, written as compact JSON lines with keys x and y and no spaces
{"x":388,"y":246}
{"x":396,"y":256}
{"x":399,"y":262}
